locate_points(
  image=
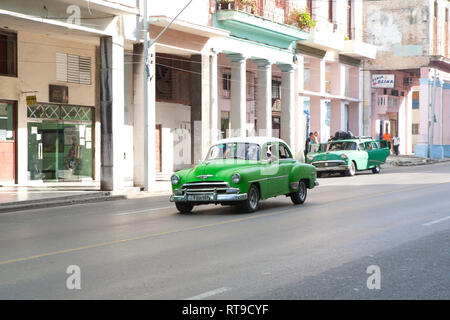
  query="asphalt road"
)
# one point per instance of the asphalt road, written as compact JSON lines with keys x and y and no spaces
{"x":397,"y":221}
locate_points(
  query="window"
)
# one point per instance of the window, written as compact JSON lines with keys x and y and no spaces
{"x":72,"y":68}
{"x":330,"y":10}
{"x":276,"y":89}
{"x":173,"y":79}
{"x":415,"y":128}
{"x":224,"y":123}
{"x":279,"y":3}
{"x":309,"y":7}
{"x":226,"y":85}
{"x":284,"y":152}
{"x":8,"y":54}
{"x":244,"y":151}
{"x":251,"y":92}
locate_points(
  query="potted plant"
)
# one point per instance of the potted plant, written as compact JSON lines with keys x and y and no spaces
{"x":302,"y":19}
{"x":225,"y":4}
{"x":247,"y":5}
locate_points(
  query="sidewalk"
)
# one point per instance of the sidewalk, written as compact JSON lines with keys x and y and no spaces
{"x":15,"y":198}
{"x":410,"y":160}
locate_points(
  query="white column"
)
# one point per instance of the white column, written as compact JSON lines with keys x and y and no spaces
{"x":111,"y":111}
{"x":287,"y":103}
{"x":214,"y":112}
{"x":238,"y":96}
{"x":264,"y":98}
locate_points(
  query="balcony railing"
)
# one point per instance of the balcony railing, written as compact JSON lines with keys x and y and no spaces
{"x":387,"y":103}
{"x":274,"y":10}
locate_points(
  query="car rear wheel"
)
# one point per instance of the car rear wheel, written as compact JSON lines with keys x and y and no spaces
{"x":299,"y":196}
{"x":251,"y":204}
{"x":184,"y":207}
{"x":376,"y":169}
{"x":352,"y":170}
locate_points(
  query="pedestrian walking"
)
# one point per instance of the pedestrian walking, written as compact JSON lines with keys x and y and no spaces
{"x":309,"y":140}
{"x":387,"y":136}
{"x":396,"y":143}
{"x":316,"y":137}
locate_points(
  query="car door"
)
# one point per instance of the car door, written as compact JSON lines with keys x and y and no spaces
{"x":380,"y":152}
{"x":286,"y":162}
{"x":270,"y":169}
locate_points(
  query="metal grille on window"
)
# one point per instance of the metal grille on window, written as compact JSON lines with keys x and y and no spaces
{"x":43,"y":111}
{"x":61,"y":112}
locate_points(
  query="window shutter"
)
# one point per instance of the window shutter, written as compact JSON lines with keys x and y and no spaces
{"x":61,"y":67}
{"x":73,"y":68}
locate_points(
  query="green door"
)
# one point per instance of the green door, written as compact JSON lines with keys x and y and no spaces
{"x":377,"y":155}
{"x":286,"y":163}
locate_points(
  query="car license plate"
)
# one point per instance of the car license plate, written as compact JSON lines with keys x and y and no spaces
{"x":200,"y":197}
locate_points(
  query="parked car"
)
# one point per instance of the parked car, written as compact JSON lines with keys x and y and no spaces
{"x":349,"y":155}
{"x":243,"y":171}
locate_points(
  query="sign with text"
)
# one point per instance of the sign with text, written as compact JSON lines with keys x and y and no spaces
{"x":31,"y":100}
{"x":383,"y":80}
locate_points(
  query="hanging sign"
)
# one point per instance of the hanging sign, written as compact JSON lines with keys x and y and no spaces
{"x":383,"y":80}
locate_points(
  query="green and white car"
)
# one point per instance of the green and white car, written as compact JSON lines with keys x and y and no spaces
{"x":348,"y":156}
{"x":243,"y":171}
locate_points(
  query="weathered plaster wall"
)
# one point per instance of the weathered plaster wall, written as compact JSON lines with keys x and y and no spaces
{"x":400,"y":30}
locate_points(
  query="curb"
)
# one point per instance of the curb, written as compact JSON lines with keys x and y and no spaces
{"x":58,"y":202}
{"x":417,"y":163}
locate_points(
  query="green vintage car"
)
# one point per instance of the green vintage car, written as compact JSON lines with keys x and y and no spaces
{"x":348,"y":155}
{"x":243,"y":171}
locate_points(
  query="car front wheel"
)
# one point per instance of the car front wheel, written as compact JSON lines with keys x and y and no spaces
{"x":184,"y":207}
{"x":352,"y":170}
{"x":251,"y":204}
{"x":299,"y":196}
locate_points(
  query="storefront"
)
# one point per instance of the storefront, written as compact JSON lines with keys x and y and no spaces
{"x":7,"y":141}
{"x":60,"y":142}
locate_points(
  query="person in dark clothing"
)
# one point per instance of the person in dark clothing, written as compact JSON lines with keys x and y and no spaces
{"x":308,"y":143}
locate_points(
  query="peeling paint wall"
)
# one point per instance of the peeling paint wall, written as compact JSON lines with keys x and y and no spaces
{"x":401,"y":31}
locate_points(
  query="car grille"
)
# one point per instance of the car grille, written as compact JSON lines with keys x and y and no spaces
{"x":207,"y":186}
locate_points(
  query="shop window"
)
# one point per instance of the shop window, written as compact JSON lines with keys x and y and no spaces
{"x":8,"y":54}
{"x":173,"y":79}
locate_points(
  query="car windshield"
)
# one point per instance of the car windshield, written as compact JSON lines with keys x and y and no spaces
{"x":344,"y":145}
{"x":234,"y":150}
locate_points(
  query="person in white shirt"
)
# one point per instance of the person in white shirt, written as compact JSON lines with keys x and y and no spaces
{"x":396,"y":143}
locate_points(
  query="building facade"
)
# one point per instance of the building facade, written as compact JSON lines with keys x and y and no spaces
{"x":80,"y":100}
{"x":410,"y":77}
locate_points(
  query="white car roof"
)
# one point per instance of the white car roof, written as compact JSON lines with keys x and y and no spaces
{"x":258,"y":140}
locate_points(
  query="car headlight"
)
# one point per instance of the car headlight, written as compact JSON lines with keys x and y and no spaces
{"x":175,"y":179}
{"x":310,"y":157}
{"x":344,"y":156}
{"x":235,"y":178}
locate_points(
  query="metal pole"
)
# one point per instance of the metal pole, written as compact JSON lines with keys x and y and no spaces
{"x":146,"y":104}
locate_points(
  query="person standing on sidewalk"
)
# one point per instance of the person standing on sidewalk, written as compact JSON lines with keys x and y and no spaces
{"x":396,"y":143}
{"x":387,"y":136}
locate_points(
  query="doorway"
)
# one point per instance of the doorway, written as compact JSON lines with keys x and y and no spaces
{"x":8,"y":126}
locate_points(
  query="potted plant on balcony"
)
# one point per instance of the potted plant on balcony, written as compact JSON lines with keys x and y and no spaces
{"x":225,"y":4}
{"x":246,"y":5}
{"x":302,"y":19}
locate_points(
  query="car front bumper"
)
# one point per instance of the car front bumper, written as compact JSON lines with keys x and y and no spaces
{"x":230,"y":195}
{"x":336,"y":165}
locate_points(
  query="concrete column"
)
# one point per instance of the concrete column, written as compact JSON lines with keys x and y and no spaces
{"x":318,"y":116}
{"x":264,"y":98}
{"x":111,"y":111}
{"x":238,"y":96}
{"x":287,"y":103}
{"x":200,"y":106}
{"x":300,"y":131}
{"x":144,"y":121}
{"x":422,"y":145}
{"x":214,"y":112}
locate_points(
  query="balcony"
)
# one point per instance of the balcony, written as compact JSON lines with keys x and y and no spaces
{"x":252,"y":21}
{"x":387,"y":104}
{"x":359,"y":49}
{"x":115,"y":7}
{"x":325,"y":35}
